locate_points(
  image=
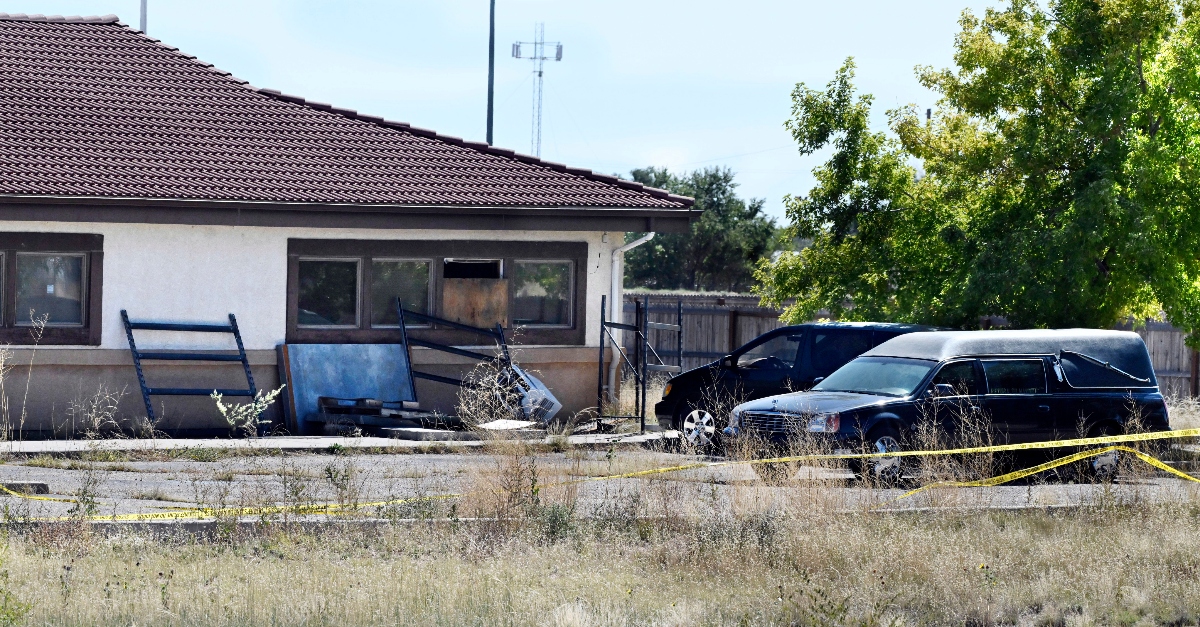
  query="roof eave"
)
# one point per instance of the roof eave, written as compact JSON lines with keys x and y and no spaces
{"x":394,"y":216}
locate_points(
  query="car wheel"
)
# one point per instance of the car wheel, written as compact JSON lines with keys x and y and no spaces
{"x":1103,"y":468}
{"x":882,"y":471}
{"x":698,"y":428}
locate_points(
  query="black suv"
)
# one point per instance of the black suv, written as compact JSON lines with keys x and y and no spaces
{"x":1029,"y":386}
{"x":784,"y":360}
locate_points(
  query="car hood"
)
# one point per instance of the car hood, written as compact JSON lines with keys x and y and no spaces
{"x":813,"y":402}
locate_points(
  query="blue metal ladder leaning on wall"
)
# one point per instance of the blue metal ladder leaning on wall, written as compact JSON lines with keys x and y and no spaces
{"x":138,"y":356}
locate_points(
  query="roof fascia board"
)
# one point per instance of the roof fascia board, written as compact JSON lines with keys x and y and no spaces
{"x":201,"y":203}
{"x":113,"y":210}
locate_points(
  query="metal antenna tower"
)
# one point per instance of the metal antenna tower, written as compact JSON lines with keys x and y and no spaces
{"x":491,"y":71}
{"x":539,"y":58}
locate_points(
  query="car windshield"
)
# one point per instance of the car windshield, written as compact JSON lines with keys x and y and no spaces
{"x":887,"y":376}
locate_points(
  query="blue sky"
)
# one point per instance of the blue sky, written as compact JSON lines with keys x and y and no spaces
{"x":678,"y":84}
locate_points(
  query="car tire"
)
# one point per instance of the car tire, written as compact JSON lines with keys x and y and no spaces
{"x":1102,"y":468}
{"x":882,"y":471}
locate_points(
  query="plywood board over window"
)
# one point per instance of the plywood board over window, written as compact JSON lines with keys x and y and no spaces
{"x":533,"y":285}
{"x":477,"y":302}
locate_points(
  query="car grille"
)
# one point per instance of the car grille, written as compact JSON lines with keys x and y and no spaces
{"x":772,"y":422}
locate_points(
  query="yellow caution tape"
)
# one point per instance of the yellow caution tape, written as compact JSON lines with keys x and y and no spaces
{"x":1062,"y":461}
{"x":999,"y":448}
{"x":33,"y":497}
{"x":334,"y":509}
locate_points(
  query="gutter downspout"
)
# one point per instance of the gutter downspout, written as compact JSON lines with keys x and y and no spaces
{"x":617,"y":273}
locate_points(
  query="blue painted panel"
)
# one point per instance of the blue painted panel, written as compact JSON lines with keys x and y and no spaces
{"x":378,"y":371}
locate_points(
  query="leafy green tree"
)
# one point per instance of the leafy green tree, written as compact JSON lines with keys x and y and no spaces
{"x":1057,"y":184}
{"x":722,"y":247}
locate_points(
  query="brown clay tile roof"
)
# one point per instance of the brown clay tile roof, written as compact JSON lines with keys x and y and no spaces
{"x":90,"y":107}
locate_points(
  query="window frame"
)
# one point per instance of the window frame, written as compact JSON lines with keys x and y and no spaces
{"x":91,"y":248}
{"x":571,"y":296}
{"x":437,"y":250}
{"x":429,"y":291}
{"x":358,"y":294}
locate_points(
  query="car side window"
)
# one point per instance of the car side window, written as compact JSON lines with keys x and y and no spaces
{"x":961,"y":376}
{"x":833,"y":349}
{"x":1015,"y":376}
{"x":778,"y":353}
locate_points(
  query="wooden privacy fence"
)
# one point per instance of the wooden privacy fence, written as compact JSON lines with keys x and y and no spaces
{"x":712,"y":325}
{"x":715,"y":325}
{"x":1175,"y":364}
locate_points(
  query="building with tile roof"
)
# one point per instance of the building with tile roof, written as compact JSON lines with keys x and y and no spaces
{"x":135,"y":177}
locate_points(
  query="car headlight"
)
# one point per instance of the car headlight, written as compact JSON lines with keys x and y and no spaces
{"x":666,"y":390}
{"x":735,"y":419}
{"x":824,"y":423}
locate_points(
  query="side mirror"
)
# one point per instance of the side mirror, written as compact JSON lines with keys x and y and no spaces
{"x":729,"y":361}
{"x":944,"y":389}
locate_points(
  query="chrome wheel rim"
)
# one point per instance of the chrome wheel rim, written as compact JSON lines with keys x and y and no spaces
{"x":699,"y":427}
{"x":887,"y":468}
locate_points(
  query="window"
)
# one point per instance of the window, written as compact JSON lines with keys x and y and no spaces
{"x":542,"y":293}
{"x":1015,"y":376}
{"x":887,"y":376}
{"x":52,"y":282}
{"x":345,"y":291}
{"x":328,"y":293}
{"x":831,"y":350}
{"x":50,"y":288}
{"x":405,"y":279}
{"x":778,"y":352}
{"x":961,"y":376}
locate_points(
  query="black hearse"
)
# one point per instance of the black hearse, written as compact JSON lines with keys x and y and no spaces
{"x":1035,"y":385}
{"x":786,"y":359}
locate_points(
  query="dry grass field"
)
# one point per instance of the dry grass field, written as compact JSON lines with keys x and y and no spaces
{"x":1102,"y":565}
{"x":527,"y":547}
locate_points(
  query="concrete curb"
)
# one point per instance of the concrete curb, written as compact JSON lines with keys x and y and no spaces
{"x":312,"y":444}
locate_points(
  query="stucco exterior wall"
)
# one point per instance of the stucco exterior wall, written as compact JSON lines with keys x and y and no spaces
{"x":202,"y":273}
{"x":196,"y":273}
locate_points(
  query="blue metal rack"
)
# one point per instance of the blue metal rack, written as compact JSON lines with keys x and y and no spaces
{"x":138,"y":356}
{"x":504,"y":359}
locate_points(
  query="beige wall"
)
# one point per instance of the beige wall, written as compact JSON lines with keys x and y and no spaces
{"x":202,"y":273}
{"x":63,"y":382}
{"x":194,"y":273}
